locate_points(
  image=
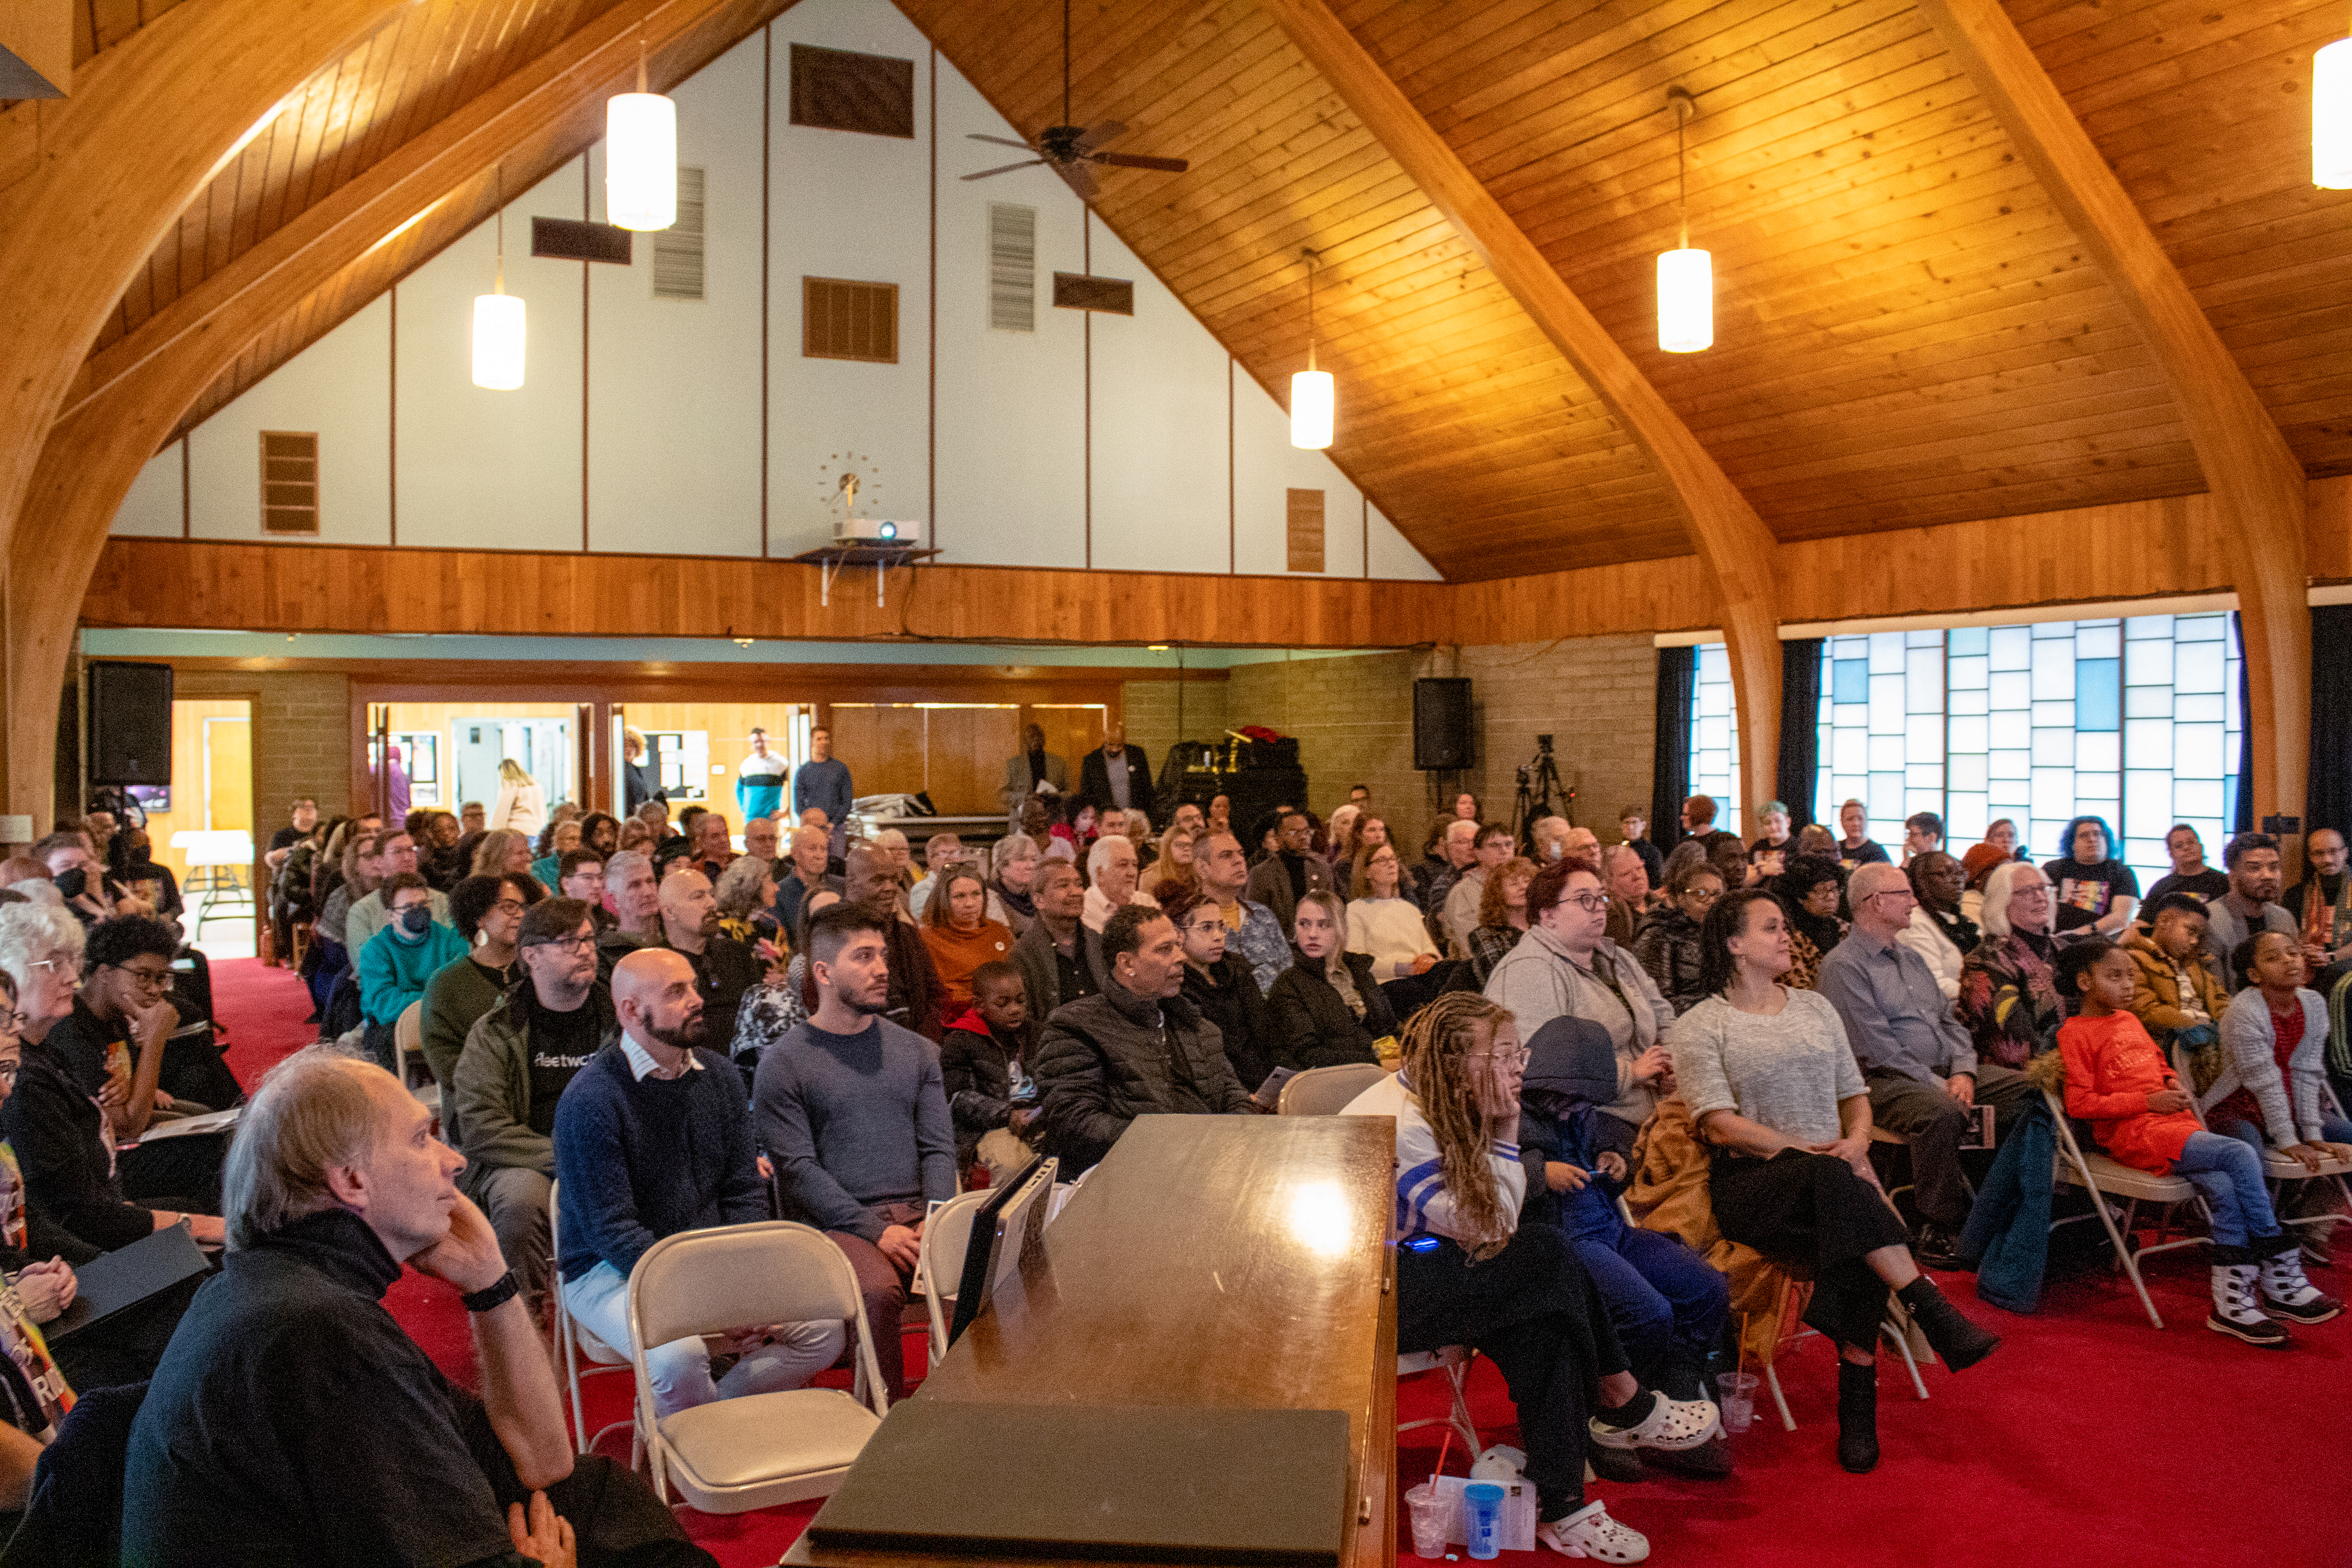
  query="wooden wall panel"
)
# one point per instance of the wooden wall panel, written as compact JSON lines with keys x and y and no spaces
{"x":888,"y":741}
{"x":964,"y":753}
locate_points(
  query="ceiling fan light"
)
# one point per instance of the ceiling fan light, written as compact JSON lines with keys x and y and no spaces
{"x":497,"y":341}
{"x":641,"y":160}
{"x":1313,"y":399}
{"x":2331,"y":116}
{"x":1686,"y":300}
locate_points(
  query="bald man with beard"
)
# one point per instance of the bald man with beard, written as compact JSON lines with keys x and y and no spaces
{"x":724,"y":968}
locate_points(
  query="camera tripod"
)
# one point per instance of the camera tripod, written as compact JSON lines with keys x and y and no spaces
{"x":1538,"y":781}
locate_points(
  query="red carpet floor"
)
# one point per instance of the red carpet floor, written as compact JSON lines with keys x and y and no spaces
{"x":2090,"y":1440}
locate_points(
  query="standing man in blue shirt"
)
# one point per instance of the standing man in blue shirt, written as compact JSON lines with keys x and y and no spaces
{"x":822,"y":784}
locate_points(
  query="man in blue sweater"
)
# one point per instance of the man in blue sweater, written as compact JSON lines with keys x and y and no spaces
{"x":822,"y":784}
{"x":651,"y":1138}
{"x":853,"y":1112}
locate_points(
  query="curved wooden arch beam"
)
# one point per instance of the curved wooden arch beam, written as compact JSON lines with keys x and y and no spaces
{"x":126,"y":399}
{"x":2256,"y":482}
{"x":1738,"y":551}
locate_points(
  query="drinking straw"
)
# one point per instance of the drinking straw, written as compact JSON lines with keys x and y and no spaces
{"x":1441,"y":1453}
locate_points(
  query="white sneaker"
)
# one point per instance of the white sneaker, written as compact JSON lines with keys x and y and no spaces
{"x":1672,"y":1425}
{"x":1591,"y":1532}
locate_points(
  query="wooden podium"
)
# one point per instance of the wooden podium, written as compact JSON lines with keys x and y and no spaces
{"x":1209,"y":1262}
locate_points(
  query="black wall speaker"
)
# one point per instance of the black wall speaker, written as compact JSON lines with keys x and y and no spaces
{"x":1441,"y":723}
{"x":130,"y":723}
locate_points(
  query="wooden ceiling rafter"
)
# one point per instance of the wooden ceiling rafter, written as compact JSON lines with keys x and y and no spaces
{"x":2255,"y":481}
{"x":1738,"y":550}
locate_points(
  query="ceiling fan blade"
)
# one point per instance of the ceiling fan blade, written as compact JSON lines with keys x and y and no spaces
{"x":1000,"y":140}
{"x":1139,"y":160}
{"x":1006,"y":169}
{"x":1081,"y":178}
{"x":1096,"y":135}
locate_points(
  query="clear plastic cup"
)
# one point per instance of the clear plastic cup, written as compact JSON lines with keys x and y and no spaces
{"x":1431,"y":1509}
{"x":1739,"y":1399}
{"x":1482,"y":1518}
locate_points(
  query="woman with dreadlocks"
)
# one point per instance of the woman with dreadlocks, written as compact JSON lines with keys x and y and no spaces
{"x":1467,"y":1275}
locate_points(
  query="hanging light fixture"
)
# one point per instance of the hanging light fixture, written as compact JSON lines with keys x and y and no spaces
{"x":2331,"y":116}
{"x":497,"y":318}
{"x":1686,"y":277}
{"x":1313,"y":398}
{"x":640,"y":155}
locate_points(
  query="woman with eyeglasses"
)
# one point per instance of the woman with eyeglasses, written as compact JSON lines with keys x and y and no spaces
{"x":1567,"y":966}
{"x":64,"y":1143}
{"x":1773,"y":1086}
{"x":1668,"y":943}
{"x":2009,"y":996}
{"x":1810,"y":891}
{"x":487,"y":914}
{"x":1468,"y":1272}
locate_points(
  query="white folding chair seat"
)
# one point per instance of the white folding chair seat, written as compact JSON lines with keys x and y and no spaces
{"x":939,"y":1268}
{"x":408,"y":1037}
{"x":762,"y":1449}
{"x":2101,"y":1174}
{"x":1326,"y":1091}
{"x":577,"y":1344}
{"x":1456,"y":1368}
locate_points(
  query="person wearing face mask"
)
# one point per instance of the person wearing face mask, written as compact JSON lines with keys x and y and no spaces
{"x":1326,"y":1008}
{"x":1218,"y":981}
{"x":399,"y":961}
{"x":1566,"y":965}
{"x":488,"y":913}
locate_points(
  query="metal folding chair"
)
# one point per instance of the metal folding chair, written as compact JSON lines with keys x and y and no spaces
{"x":577,"y":1345}
{"x":1326,"y":1091}
{"x":2104,"y":1177}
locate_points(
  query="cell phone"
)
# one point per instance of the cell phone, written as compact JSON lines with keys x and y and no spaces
{"x":1980,"y":1134}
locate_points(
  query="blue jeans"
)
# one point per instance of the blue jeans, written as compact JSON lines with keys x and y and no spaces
{"x":2229,"y":1174}
{"x":1663,"y":1298}
{"x":680,"y":1370}
{"x":2332,"y":1129}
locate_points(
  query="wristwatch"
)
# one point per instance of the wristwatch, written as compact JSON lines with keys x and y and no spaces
{"x":495,"y":1296}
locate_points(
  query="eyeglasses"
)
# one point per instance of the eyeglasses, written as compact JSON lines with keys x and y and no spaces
{"x":149,"y":979}
{"x":566,"y":943}
{"x":1890,"y":893}
{"x":509,"y":906}
{"x":1703,"y":895}
{"x":1520,"y":1055}
{"x":1590,"y":903}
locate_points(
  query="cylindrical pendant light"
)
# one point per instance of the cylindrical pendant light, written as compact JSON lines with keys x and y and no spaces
{"x":499,"y":321}
{"x":2331,"y":116}
{"x":640,"y":156}
{"x":1314,"y":398}
{"x":1686,"y":277}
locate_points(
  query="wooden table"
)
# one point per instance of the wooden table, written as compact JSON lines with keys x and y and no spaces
{"x":1210,"y":1260}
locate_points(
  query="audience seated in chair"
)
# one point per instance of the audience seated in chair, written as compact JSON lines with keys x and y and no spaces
{"x":400,"y":961}
{"x":2252,"y":904}
{"x":1218,"y":981}
{"x":1667,"y":942}
{"x":518,"y":1059}
{"x":1920,"y":1064}
{"x":1773,"y":1085}
{"x":984,"y":1056}
{"x":1252,"y":929}
{"x":2140,"y":1114}
{"x":1057,"y":956}
{"x":1567,"y":967}
{"x":1138,"y":1048}
{"x":1669,"y":1305}
{"x":1459,"y":915}
{"x":1326,"y":1008}
{"x":294,"y":1421}
{"x":2008,"y":1002}
{"x":1469,"y":1273}
{"x":917,"y":1000}
{"x":487,"y":912}
{"x":2175,"y":995}
{"x":395,"y":854}
{"x":1292,"y":871}
{"x":854,"y":1110}
{"x":724,"y":968}
{"x":2273,"y":1091}
{"x":652,"y":1138}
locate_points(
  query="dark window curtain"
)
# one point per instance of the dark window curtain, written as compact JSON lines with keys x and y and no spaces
{"x":1800,"y":733}
{"x":2327,"y":799}
{"x":2242,"y":810}
{"x":1670,"y":763}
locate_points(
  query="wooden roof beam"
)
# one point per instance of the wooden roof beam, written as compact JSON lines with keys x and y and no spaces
{"x":2256,"y":482}
{"x":1738,"y":550}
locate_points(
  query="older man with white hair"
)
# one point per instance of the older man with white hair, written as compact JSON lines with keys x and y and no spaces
{"x":293,"y":1420}
{"x":1919,"y":1061}
{"x":1112,"y":871}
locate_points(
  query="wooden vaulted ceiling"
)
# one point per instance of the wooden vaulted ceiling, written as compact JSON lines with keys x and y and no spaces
{"x":1906,"y":332}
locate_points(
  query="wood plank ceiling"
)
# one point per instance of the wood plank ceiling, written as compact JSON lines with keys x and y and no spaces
{"x":1906,"y":333}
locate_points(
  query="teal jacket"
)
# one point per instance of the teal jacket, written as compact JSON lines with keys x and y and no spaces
{"x":393,"y":972}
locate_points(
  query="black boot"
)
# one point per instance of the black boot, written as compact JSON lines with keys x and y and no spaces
{"x":1960,"y":1343}
{"x":1857,"y":1417}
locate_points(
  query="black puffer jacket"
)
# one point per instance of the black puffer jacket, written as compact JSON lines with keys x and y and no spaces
{"x":1105,"y":1061}
{"x":1232,"y":1002}
{"x":1314,"y":1028}
{"x":1668,"y":948}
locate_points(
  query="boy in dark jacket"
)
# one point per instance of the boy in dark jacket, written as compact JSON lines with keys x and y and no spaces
{"x":989,"y":1093}
{"x":1669,"y":1305}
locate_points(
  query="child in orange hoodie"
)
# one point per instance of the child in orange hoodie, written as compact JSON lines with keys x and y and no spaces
{"x":2119,"y":1081}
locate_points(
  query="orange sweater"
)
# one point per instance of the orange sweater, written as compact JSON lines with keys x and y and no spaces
{"x":957,"y":953}
{"x":2112,"y":1067}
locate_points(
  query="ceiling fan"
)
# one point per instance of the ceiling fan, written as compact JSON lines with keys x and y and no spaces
{"x":1073,"y":151}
